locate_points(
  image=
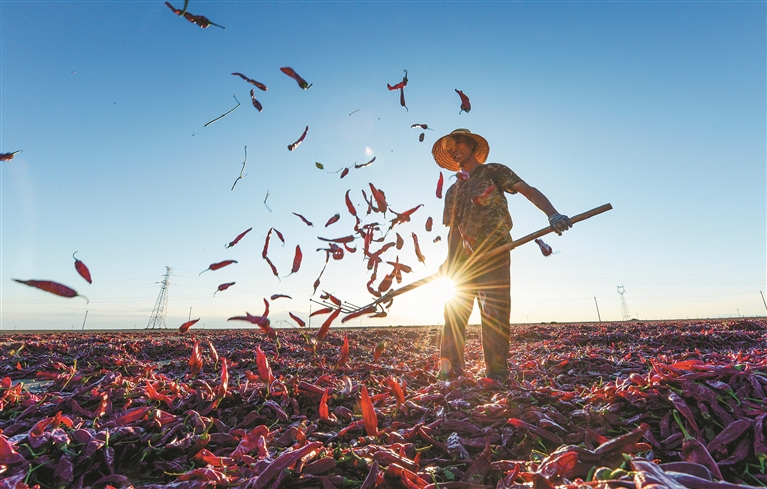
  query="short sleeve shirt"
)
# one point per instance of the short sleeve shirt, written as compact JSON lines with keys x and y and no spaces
{"x":488,"y":220}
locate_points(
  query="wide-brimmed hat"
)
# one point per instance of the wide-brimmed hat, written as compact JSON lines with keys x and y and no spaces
{"x":443,"y":157}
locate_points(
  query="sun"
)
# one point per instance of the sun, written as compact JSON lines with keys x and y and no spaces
{"x":443,"y":288}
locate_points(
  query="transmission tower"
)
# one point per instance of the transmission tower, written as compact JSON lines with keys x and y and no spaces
{"x":624,"y":306}
{"x":160,"y":311}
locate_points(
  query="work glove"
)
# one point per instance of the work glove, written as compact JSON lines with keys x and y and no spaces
{"x":559,"y":223}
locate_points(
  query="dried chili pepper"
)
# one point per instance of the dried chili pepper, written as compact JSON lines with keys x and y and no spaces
{"x":255,"y":101}
{"x":82,"y":269}
{"x":306,"y":221}
{"x":185,"y":327}
{"x":440,"y":182}
{"x":9,"y":156}
{"x":326,"y":325}
{"x":333,"y":219}
{"x":421,"y":136}
{"x":363,"y":165}
{"x":297,"y":260}
{"x":344,"y":353}
{"x":297,"y":319}
{"x":465,"y":104}
{"x":368,"y":412}
{"x":238,"y":238}
{"x":380,"y":198}
{"x":400,"y":242}
{"x":402,"y":98}
{"x":260,"y":85}
{"x":199,"y":20}
{"x":378,"y":350}
{"x":301,"y":82}
{"x":483,"y":198}
{"x":195,"y":360}
{"x":293,"y":146}
{"x":52,"y":287}
{"x":223,"y":287}
{"x":344,"y":172}
{"x":216,"y":266}
{"x":399,"y":85}
{"x":545,"y":249}
{"x":280,"y":296}
{"x":429,"y":224}
{"x":418,"y":253}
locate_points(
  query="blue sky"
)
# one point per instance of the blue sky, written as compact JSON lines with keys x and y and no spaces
{"x":655,"y":107}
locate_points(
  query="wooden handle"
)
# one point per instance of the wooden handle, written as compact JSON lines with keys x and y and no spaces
{"x":507,"y":247}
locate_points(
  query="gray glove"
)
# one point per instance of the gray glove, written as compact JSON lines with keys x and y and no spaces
{"x":559,"y":223}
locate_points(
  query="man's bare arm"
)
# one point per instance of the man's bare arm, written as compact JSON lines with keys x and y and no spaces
{"x":559,"y":223}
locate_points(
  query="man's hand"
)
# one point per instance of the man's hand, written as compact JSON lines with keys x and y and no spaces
{"x":559,"y":223}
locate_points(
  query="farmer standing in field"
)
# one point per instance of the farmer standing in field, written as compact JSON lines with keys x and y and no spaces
{"x":478,"y":216}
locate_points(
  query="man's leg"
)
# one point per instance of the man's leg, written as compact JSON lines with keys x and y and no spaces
{"x":495,"y":293}
{"x":457,"y":312}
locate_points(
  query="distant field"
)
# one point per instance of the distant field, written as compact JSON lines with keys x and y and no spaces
{"x":232,"y":408}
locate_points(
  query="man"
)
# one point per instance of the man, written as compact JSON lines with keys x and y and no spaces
{"x":478,"y":216}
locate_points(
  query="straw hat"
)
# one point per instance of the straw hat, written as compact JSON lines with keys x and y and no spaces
{"x":442,"y":155}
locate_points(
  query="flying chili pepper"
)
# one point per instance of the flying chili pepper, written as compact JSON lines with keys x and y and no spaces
{"x":420,"y":137}
{"x":52,"y":287}
{"x":297,"y":319}
{"x":418,"y":254}
{"x":326,"y":325}
{"x":264,"y":370}
{"x":333,"y":219}
{"x":319,"y":165}
{"x":82,"y":269}
{"x":271,"y":265}
{"x":201,"y":21}
{"x":223,"y":287}
{"x":429,"y":223}
{"x":399,"y":85}
{"x":366,"y":310}
{"x":279,"y":235}
{"x":293,"y":146}
{"x":363,"y":165}
{"x":380,"y":198}
{"x":238,"y":238}
{"x":297,"y":260}
{"x":440,"y":182}
{"x":400,"y":242}
{"x":345,"y":172}
{"x":349,"y":204}
{"x":465,"y":104}
{"x":185,"y":327}
{"x":8,"y":156}
{"x":386,"y":283}
{"x":484,"y":196}
{"x":403,"y":216}
{"x":306,"y":221}
{"x":291,"y":73}
{"x":251,"y":81}
{"x":279,"y":296}
{"x":216,"y":266}
{"x":422,"y":126}
{"x":255,"y":102}
{"x":437,"y":239}
{"x":195,"y":360}
{"x":402,"y":98}
{"x":545,"y":249}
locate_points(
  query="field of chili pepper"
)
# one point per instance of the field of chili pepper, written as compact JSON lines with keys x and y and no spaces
{"x":638,"y":404}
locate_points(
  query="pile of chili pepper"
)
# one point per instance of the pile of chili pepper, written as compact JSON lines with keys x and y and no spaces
{"x":653,"y":404}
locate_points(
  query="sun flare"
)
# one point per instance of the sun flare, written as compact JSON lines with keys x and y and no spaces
{"x":443,"y":288}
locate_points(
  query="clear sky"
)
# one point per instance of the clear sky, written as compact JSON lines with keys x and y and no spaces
{"x":655,"y":107}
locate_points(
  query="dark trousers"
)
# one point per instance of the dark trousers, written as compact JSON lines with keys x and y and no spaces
{"x":490,"y":283}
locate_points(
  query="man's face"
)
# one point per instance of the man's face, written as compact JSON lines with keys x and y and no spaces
{"x":460,"y":150}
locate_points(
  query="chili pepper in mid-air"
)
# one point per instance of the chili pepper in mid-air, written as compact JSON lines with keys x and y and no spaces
{"x":429,"y":224}
{"x":251,"y":81}
{"x":306,"y":221}
{"x":437,"y":239}
{"x":319,"y":165}
{"x":297,"y":260}
{"x":363,"y":165}
{"x":255,"y":101}
{"x":399,"y":85}
{"x":8,"y":156}
{"x":368,"y":412}
{"x":52,"y":287}
{"x":82,"y":269}
{"x":440,"y":182}
{"x":195,"y":360}
{"x":386,"y":283}
{"x":185,"y":327}
{"x":402,"y":98}
{"x":238,"y":238}
{"x":421,"y":136}
{"x":380,"y":198}
{"x":223,"y":287}
{"x":326,"y":325}
{"x":216,"y":266}
{"x":271,"y":265}
{"x":418,"y":254}
{"x":400,"y":242}
{"x":301,"y":82}
{"x":422,"y":126}
{"x":199,"y":20}
{"x":280,"y":296}
{"x":293,"y":146}
{"x":483,"y":198}
{"x":344,"y":172}
{"x":545,"y":249}
{"x":333,"y":219}
{"x":297,"y":319}
{"x":465,"y":104}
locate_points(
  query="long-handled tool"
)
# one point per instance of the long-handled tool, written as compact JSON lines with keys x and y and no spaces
{"x":388,"y":297}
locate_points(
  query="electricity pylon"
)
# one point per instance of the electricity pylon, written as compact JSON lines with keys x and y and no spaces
{"x":160,"y":312}
{"x":624,"y":306}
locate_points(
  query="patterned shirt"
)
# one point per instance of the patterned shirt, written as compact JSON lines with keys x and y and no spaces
{"x":487,"y":220}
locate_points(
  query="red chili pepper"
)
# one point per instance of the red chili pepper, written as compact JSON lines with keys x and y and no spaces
{"x":323,"y":410}
{"x":297,"y":319}
{"x":378,"y":350}
{"x":483,"y":198}
{"x":349,"y":204}
{"x":545,"y":249}
{"x":251,"y":81}
{"x":195,"y":361}
{"x":278,"y":296}
{"x":223,"y":287}
{"x":386,"y":283}
{"x":403,"y":216}
{"x":418,"y":254}
{"x":266,"y":243}
{"x":344,"y":352}
{"x":345,"y":172}
{"x":238,"y":238}
{"x":465,"y":104}
{"x":367,"y":310}
{"x":368,"y":412}
{"x":224,"y":385}
{"x":255,"y":101}
{"x":421,"y":136}
{"x":216,"y":266}
{"x":422,"y":126}
{"x":333,"y":219}
{"x":344,"y":239}
{"x":402,"y":98}
{"x":380,"y":198}
{"x":291,"y":73}
{"x":293,"y":146}
{"x":52,"y":287}
{"x":185,"y":327}
{"x":400,"y":242}
{"x":326,"y":325}
{"x":201,"y":21}
{"x":396,"y":389}
{"x":306,"y":221}
{"x":440,"y":182}
{"x":429,"y":224}
{"x":8,"y":156}
{"x":363,"y":165}
{"x":296,"y":260}
{"x":324,"y":310}
{"x":82,"y":269}
{"x":399,"y":85}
